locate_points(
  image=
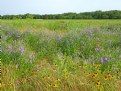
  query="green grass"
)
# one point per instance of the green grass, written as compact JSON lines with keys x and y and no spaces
{"x":56,"y":25}
{"x":60,"y":55}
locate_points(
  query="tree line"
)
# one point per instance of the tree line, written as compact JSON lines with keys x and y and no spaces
{"x":113,"y":14}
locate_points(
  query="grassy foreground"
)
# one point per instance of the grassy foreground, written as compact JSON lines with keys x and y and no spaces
{"x":60,"y":55}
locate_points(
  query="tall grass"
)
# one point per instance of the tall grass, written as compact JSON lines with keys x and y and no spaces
{"x":60,"y":55}
{"x":56,"y":25}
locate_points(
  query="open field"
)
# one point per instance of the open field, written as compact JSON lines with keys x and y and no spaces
{"x":60,"y":55}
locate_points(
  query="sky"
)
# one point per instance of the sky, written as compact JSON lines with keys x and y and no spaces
{"x":56,"y":6}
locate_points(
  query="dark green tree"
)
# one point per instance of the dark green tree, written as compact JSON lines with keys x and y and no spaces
{"x":29,"y":16}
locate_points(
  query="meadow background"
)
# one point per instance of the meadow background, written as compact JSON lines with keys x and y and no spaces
{"x":60,"y":55}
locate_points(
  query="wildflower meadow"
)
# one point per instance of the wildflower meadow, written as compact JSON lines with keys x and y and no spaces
{"x":60,"y":55}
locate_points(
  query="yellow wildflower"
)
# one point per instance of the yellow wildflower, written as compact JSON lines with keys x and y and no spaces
{"x":55,"y":85}
{"x":94,"y":75}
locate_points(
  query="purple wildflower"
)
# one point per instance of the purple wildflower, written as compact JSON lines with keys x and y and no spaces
{"x":105,"y":59}
{"x":58,"y":38}
{"x":96,"y":49}
{"x":90,"y":31}
{"x":120,"y":56}
{"x":31,"y":58}
{"x":101,"y":60}
{"x":22,"y":49}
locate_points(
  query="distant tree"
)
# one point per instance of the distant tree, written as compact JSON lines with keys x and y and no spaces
{"x":105,"y":16}
{"x":57,"y":16}
{"x":37,"y":16}
{"x":29,"y":16}
{"x":113,"y":14}
{"x":19,"y":16}
{"x":14,"y":17}
{"x":5,"y":17}
{"x":97,"y":14}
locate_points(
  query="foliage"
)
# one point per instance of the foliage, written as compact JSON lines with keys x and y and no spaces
{"x":113,"y":14}
{"x":69,"y":57}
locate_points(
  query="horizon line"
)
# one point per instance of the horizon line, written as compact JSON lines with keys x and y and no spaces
{"x":60,"y":13}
